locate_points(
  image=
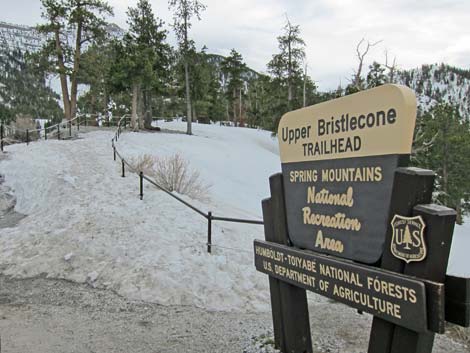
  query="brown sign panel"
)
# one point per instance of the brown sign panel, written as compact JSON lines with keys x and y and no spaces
{"x":338,"y":163}
{"x":395,"y":298}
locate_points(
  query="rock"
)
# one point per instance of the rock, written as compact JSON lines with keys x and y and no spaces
{"x":68,"y":257}
{"x":92,"y":277}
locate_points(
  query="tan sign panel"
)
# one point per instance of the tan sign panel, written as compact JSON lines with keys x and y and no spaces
{"x":375,"y":122}
{"x":338,"y":164}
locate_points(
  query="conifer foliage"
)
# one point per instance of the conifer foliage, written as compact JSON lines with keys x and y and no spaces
{"x":444,"y":146}
{"x":23,"y":89}
{"x":86,"y":20}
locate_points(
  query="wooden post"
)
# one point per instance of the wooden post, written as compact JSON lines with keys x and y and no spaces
{"x":78,"y":123}
{"x":123,"y":168}
{"x":70,"y":128}
{"x":411,"y":186}
{"x":273,"y":282}
{"x":58,"y":131}
{"x":45,"y":132}
{"x":439,"y":229}
{"x":27,"y":136}
{"x":209,"y":232}
{"x":141,"y":185}
{"x":295,"y":322}
{"x":114,"y":151}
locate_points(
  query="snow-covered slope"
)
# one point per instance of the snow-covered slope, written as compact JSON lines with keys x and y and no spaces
{"x":438,"y":83}
{"x":155,"y":249}
{"x":86,"y":223}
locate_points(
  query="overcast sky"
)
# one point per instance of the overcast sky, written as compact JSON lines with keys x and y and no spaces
{"x":415,"y":32}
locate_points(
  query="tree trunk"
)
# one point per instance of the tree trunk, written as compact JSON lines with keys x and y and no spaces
{"x":305,"y":88}
{"x":63,"y":76}
{"x":188,"y":98}
{"x":459,"y":219}
{"x":140,"y":111}
{"x":148,"y":117}
{"x":240,"y":107}
{"x":135,"y":93}
{"x":234,"y":96}
{"x":76,"y":65}
{"x":445,"y":177}
{"x":289,"y":75}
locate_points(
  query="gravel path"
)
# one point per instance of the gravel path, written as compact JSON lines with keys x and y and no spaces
{"x":54,"y":316}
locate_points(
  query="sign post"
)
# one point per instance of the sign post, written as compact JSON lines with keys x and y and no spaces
{"x":343,"y":221}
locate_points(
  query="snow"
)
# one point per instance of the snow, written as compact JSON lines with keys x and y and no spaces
{"x":85,"y":222}
{"x":154,"y":249}
{"x":459,"y":262}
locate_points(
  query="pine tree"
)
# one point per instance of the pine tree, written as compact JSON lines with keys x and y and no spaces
{"x":288,"y":63}
{"x":376,"y":75}
{"x":23,"y":89}
{"x":141,"y":60}
{"x":83,"y":18}
{"x":407,"y":238}
{"x":444,"y":146}
{"x":233,"y":68}
{"x":185,"y":10}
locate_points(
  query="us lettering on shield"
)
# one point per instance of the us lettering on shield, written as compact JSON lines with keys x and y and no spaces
{"x":408,"y":238}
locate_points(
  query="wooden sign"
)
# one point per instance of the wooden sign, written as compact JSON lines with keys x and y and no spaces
{"x":338,"y":164}
{"x":392,"y":297}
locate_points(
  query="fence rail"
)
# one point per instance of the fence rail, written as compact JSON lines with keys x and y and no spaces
{"x":16,"y":134}
{"x":209,"y":216}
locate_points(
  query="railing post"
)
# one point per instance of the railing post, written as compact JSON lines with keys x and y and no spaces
{"x":70,"y":128}
{"x":58,"y":131}
{"x":27,"y":136}
{"x":141,"y":177}
{"x":123,"y":168}
{"x":45,"y":132}
{"x":86,"y":121}
{"x":209,"y":232}
{"x":114,"y":150}
{"x":78,"y":123}
{"x":1,"y":135}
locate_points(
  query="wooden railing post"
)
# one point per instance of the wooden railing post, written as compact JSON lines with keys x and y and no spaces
{"x":58,"y":131}
{"x":27,"y":136}
{"x":141,"y":185}
{"x":209,"y":232}
{"x":123,"y":168}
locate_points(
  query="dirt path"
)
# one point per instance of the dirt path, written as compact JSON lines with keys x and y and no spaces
{"x":54,"y":316}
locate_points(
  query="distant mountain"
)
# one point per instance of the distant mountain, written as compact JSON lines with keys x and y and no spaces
{"x":20,"y":37}
{"x":438,"y":83}
{"x":26,"y":38}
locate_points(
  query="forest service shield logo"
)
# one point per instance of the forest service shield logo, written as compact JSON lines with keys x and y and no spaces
{"x":408,"y":238}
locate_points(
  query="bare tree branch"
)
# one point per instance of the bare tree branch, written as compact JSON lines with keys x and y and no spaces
{"x":361,"y":54}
